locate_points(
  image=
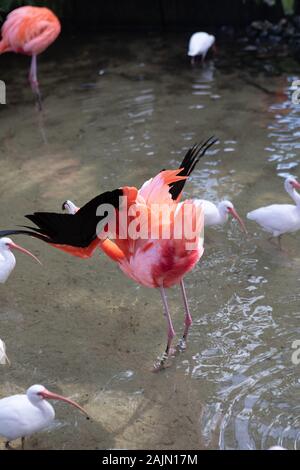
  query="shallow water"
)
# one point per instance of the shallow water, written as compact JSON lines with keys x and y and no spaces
{"x":117,"y":110}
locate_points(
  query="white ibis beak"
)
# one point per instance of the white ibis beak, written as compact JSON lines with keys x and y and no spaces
{"x":296,"y":184}
{"x":54,"y":396}
{"x":236,"y":216}
{"x":14,"y":246}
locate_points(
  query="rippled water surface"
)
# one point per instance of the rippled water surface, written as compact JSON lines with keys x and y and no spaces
{"x":118,"y":110}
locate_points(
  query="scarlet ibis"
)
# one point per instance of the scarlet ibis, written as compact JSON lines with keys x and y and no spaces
{"x":7,"y":259}
{"x":24,"y":415}
{"x":280,"y":218}
{"x":30,"y":30}
{"x":199,"y":44}
{"x":218,"y":214}
{"x":156,"y":262}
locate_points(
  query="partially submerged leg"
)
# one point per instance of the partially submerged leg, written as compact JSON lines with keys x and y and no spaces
{"x":23,"y":443}
{"x":171,"y":333}
{"x":187,"y":319}
{"x":34,"y":81}
{"x":7,"y":445}
{"x":273,"y":239}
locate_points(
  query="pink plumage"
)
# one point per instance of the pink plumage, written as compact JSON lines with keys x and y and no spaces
{"x":30,"y":30}
{"x":152,"y":259}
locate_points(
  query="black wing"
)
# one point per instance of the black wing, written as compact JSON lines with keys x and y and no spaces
{"x":77,"y":230}
{"x":189,"y":162}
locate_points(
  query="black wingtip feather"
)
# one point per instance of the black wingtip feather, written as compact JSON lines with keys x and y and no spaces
{"x":188,"y":164}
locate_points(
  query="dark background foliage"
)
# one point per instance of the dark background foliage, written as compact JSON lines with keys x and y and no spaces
{"x":160,"y":15}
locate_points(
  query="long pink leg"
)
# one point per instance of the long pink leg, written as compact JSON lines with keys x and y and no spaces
{"x":187,"y":319}
{"x":171,"y":332}
{"x":34,"y":81}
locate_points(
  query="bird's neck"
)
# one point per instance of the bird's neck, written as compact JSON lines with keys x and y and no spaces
{"x":295,"y":196}
{"x":46,"y":409}
{"x":223,"y":217}
{"x":8,"y":256}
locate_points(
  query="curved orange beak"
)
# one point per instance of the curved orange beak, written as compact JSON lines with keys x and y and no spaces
{"x":236,"y":216}
{"x":14,"y":246}
{"x":54,"y":396}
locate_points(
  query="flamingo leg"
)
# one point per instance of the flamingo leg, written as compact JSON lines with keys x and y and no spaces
{"x":34,"y":81}
{"x":7,"y":445}
{"x":187,"y":319}
{"x":23,"y":443}
{"x":171,"y":333}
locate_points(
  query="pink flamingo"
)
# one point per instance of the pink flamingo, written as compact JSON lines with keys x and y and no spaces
{"x":30,"y":30}
{"x":159,"y":262}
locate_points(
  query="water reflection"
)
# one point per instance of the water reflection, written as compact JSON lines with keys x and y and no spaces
{"x":246,"y":356}
{"x":284,"y":132}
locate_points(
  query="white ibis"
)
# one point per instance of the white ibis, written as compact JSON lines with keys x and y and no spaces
{"x":218,"y":214}
{"x":199,"y":44}
{"x":278,"y":219}
{"x":24,"y":415}
{"x":3,"y":357}
{"x":7,"y":259}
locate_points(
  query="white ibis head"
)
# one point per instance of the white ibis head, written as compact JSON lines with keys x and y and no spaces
{"x":37,"y":393}
{"x":6,"y":244}
{"x":70,"y":207}
{"x":290,"y":184}
{"x":226,"y":208}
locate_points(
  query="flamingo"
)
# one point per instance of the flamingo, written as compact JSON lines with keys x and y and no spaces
{"x":278,"y":219}
{"x":24,"y":415}
{"x":154,"y":262}
{"x":199,"y":44}
{"x":218,"y":214}
{"x":30,"y":30}
{"x":7,"y":259}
